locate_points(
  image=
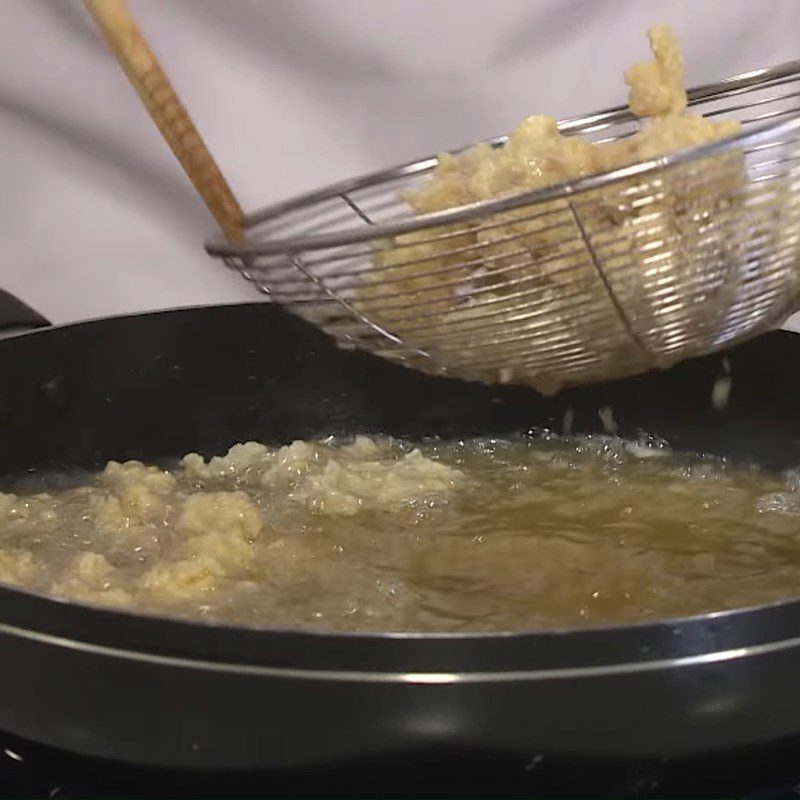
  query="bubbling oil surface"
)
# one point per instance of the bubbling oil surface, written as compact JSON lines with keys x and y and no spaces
{"x":480,"y":535}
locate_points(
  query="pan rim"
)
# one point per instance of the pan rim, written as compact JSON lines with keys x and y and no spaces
{"x":400,"y":656}
{"x":427,"y":677}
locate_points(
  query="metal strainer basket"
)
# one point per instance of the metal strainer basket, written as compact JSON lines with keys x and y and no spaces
{"x":603,"y":277}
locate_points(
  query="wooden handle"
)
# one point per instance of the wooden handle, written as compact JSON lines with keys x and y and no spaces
{"x":143,"y":70}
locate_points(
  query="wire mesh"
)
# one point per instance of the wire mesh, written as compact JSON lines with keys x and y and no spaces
{"x":601,"y":278}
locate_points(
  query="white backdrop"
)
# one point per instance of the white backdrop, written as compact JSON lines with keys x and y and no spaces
{"x":96,"y":218}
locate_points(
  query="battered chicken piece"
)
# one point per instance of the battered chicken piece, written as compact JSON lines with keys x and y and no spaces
{"x":16,"y":566}
{"x":656,"y":87}
{"x":237,"y":465}
{"x":139,"y":494}
{"x":179,"y":580}
{"x":537,"y":155}
{"x":343,"y":489}
{"x":523,"y":262}
{"x":220,"y":528}
{"x":232,"y":513}
{"x":91,"y":580}
{"x":133,"y":473}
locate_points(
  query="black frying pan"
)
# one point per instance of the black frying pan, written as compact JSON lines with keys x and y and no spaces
{"x":201,"y":696}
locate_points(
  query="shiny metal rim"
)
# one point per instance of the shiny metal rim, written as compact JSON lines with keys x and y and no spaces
{"x":430,"y":678}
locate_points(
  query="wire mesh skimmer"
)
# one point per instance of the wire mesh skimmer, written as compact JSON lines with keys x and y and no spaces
{"x":640,"y":267}
{"x":607,"y":276}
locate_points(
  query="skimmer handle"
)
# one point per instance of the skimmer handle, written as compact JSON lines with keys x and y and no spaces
{"x":153,"y":87}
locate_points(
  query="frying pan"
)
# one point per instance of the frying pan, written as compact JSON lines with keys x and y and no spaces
{"x":197,"y":695}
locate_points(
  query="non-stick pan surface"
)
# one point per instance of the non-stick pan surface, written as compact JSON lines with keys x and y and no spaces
{"x":172,"y":693}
